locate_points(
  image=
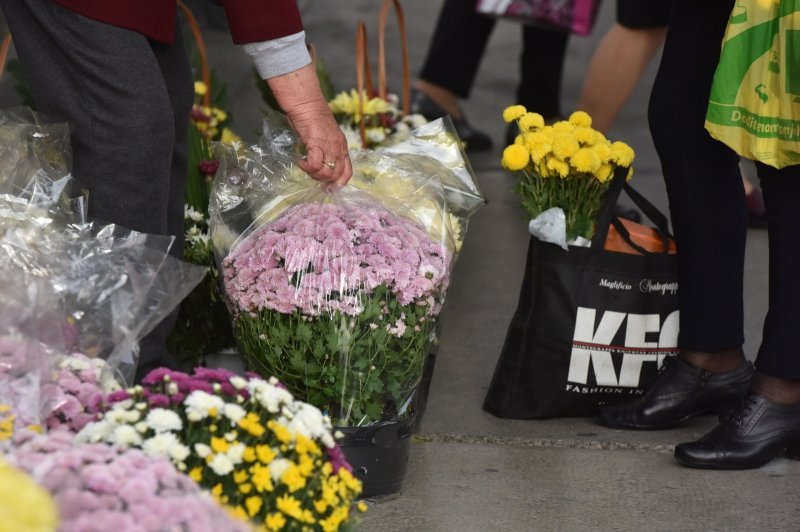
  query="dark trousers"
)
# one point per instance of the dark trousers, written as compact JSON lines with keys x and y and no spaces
{"x":457,"y":47}
{"x":707,"y":204}
{"x":127,"y":101}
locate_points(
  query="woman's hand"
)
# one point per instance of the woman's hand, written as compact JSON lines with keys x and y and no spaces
{"x":299,"y":95}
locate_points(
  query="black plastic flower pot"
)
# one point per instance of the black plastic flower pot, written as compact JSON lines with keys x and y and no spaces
{"x":421,"y":401}
{"x":379,"y":455}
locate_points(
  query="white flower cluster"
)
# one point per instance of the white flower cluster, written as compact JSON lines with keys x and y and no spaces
{"x":160,"y":431}
{"x":297,"y":416}
{"x":124,"y":426}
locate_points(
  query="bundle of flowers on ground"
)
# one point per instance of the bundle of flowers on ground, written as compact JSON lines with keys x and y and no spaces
{"x":567,"y":165}
{"x":269,"y":458}
{"x":337,"y":292}
{"x":339,"y":302}
{"x":384,"y":122}
{"x":101,"y":488}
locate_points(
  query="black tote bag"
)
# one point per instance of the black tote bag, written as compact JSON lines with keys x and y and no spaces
{"x":592,"y":326}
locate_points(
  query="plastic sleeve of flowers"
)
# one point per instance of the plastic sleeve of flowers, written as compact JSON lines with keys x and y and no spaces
{"x":169,"y":284}
{"x":35,"y":160}
{"x":115,"y":284}
{"x":439,"y":141}
{"x":31,"y":339}
{"x":337,"y":293}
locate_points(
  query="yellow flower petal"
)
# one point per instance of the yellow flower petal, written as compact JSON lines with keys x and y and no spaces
{"x":580,"y":119}
{"x":513,"y":112}
{"x":515,"y":157}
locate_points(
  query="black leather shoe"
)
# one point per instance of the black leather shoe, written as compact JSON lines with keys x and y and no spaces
{"x":473,"y":139}
{"x":680,"y":391}
{"x":755,"y":433}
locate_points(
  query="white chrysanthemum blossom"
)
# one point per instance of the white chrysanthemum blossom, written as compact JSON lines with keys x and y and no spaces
{"x":240,"y":383}
{"x":125,"y":436}
{"x":202,"y":450}
{"x":269,"y":396}
{"x":235,"y":453}
{"x":160,"y":444}
{"x":163,"y":420}
{"x":179,"y":453}
{"x":199,"y":403}
{"x":95,"y":432}
{"x":120,"y":416}
{"x":75,"y":363}
{"x":309,"y":421}
{"x":221,"y":465}
{"x":278,"y":467}
{"x":191,"y":214}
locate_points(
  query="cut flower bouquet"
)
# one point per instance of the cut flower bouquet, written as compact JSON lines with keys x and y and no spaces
{"x":337,"y":293}
{"x":567,"y":165}
{"x":269,"y":458}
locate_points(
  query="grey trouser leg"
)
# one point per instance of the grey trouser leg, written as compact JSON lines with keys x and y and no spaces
{"x":127,"y":101}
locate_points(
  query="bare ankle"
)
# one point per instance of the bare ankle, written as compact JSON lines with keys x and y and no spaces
{"x":716,"y":361}
{"x":776,"y":389}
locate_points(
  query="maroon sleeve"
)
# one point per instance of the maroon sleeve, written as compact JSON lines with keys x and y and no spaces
{"x":262,"y":20}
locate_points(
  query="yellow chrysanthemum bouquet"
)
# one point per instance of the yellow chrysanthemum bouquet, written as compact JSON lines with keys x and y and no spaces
{"x":566,"y":165}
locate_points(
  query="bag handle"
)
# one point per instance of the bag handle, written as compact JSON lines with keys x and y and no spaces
{"x":205,"y":69}
{"x":364,"y":69}
{"x":606,"y":217}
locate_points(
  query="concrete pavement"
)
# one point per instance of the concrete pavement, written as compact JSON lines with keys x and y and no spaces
{"x":470,"y":471}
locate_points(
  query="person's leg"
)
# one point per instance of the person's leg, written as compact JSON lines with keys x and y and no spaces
{"x":706,"y":200}
{"x":767,"y":421}
{"x":541,"y":68}
{"x":454,"y":54}
{"x":448,"y":73}
{"x":176,"y":72}
{"x":107,"y":84}
{"x":622,"y":57}
{"x":704,"y":186}
{"x":614,"y":71}
{"x":777,"y":362}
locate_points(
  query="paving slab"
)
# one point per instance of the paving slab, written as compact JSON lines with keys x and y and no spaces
{"x":480,"y":487}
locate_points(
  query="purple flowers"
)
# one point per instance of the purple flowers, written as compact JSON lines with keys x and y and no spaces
{"x":98,"y":487}
{"x":319,"y":257}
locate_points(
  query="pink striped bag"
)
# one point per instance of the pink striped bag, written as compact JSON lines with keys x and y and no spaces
{"x":576,"y":16}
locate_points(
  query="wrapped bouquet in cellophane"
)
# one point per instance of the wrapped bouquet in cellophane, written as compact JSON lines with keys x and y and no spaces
{"x":112,"y":285}
{"x":337,"y":293}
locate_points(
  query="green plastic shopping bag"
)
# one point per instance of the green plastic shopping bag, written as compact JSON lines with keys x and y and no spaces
{"x":754,"y":105}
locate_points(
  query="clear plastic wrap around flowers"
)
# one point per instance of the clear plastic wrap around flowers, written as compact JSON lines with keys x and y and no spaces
{"x":35,"y":163}
{"x":337,"y":292}
{"x":114,"y":285}
{"x":30,"y":340}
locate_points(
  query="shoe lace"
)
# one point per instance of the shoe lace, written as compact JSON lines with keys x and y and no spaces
{"x":743,"y":409}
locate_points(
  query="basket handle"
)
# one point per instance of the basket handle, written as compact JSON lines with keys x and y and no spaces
{"x":6,"y":44}
{"x":205,"y":70}
{"x":363,"y":72}
{"x":401,"y":24}
{"x":364,"y":69}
